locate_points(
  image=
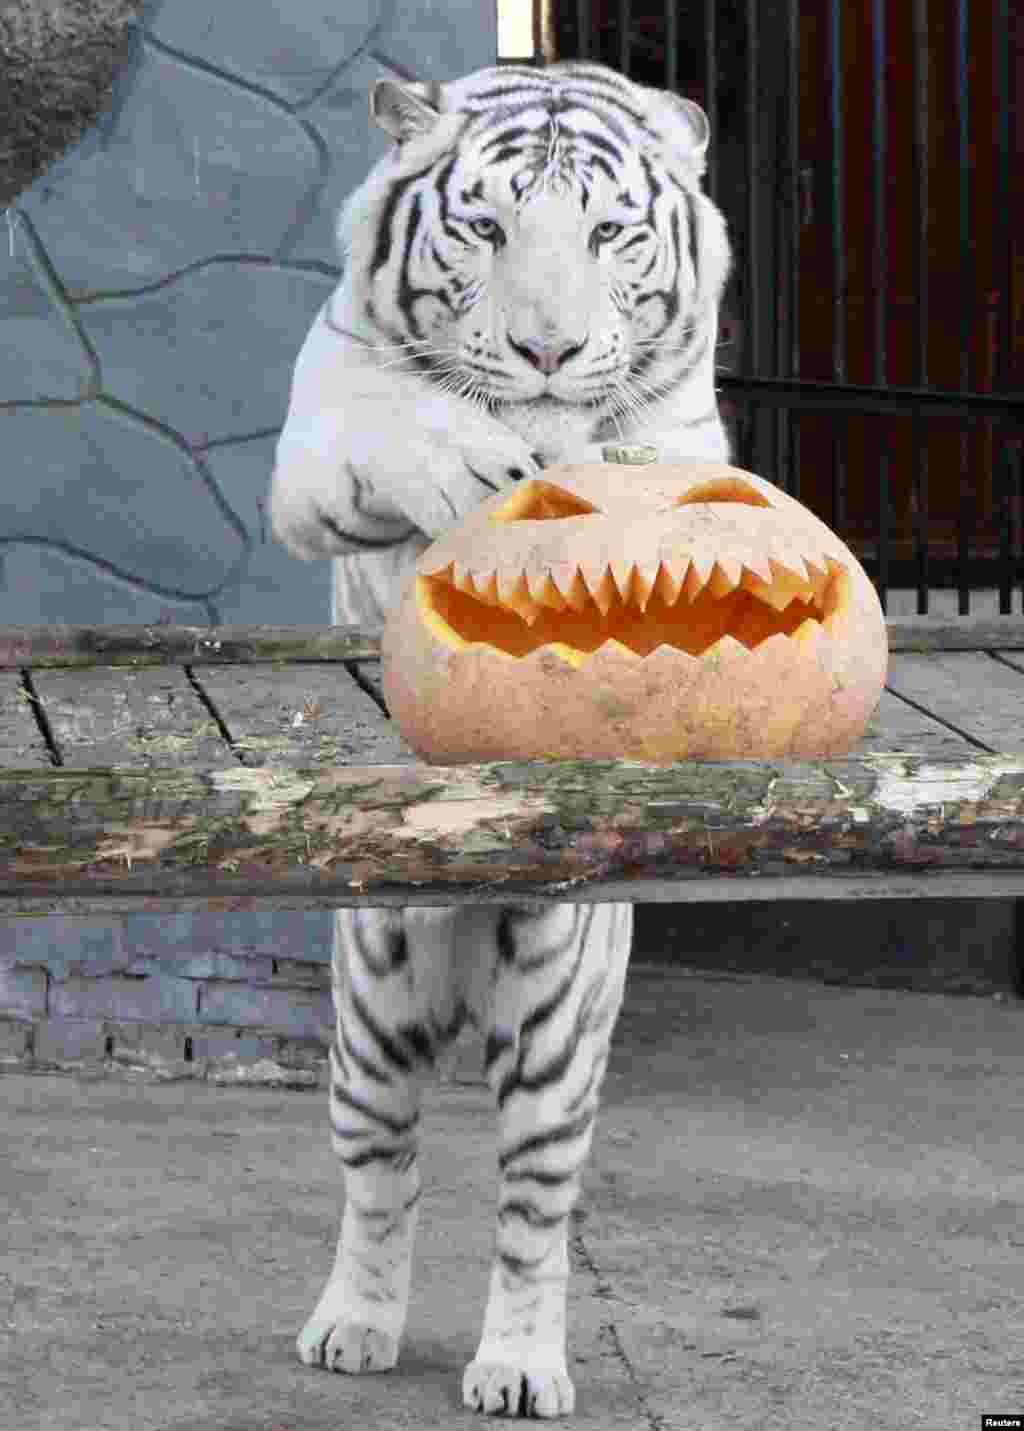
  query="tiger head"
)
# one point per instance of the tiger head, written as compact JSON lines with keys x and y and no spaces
{"x":538,"y":242}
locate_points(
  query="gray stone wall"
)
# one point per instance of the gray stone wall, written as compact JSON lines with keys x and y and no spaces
{"x":155,"y":286}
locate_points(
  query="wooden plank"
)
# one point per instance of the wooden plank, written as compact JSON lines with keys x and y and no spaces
{"x":899,"y":726}
{"x":301,"y":715}
{"x":981,"y":697}
{"x":320,"y":716}
{"x":85,"y":646}
{"x":21,"y":743}
{"x":129,"y":718}
{"x":523,"y":828}
{"x":961,"y":633}
{"x":369,"y":673}
{"x":710,"y":888}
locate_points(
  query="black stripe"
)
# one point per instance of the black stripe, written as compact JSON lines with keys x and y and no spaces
{"x":666,"y":387}
{"x":530,"y":1213}
{"x":597,"y":141}
{"x":364,"y":1064}
{"x":597,"y":108}
{"x":520,"y":1266}
{"x":371,"y":1114}
{"x":406,"y":294}
{"x":562,"y":1133}
{"x":382,"y":250}
{"x":387,"y":1046}
{"x":504,"y":155}
{"x":544,"y":1177}
{"x":418,"y":1038}
{"x":641,"y":237}
{"x":496,"y":1045}
{"x":694,"y":234}
{"x":511,"y":136}
{"x":399,"y":1159}
{"x":362,"y":543}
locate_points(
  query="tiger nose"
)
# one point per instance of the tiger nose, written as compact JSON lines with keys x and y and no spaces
{"x":548,"y":357}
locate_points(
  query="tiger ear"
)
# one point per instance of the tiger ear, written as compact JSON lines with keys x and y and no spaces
{"x":405,"y":111}
{"x":698,"y":121}
{"x":694,"y":122}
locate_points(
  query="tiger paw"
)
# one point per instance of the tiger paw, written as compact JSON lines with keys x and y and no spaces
{"x":352,"y":1347}
{"x":517,"y":1389}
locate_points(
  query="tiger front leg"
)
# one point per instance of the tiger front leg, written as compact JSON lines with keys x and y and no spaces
{"x":358,"y":1322}
{"x":557,"y":996}
{"x":380,"y":1058}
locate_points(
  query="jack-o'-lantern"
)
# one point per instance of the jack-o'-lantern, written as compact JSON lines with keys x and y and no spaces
{"x":662,"y":612}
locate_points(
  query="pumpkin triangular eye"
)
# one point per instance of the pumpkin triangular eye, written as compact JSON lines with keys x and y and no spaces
{"x":537,"y":500}
{"x":723,"y":489}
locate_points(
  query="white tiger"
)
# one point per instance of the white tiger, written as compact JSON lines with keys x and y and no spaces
{"x":532,"y":271}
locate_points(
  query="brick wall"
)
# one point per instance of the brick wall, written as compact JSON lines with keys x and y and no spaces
{"x":78,"y":995}
{"x":119,"y":995}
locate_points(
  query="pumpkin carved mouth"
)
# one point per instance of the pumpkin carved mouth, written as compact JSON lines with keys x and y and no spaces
{"x":691,"y":611}
{"x":686,"y":603}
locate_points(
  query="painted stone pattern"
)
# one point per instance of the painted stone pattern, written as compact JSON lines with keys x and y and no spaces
{"x":156,"y":283}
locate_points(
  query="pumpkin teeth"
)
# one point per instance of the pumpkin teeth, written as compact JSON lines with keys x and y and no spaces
{"x":756,"y":569}
{"x":725,"y":643}
{"x":518,"y":599}
{"x":462,"y":580}
{"x":620,"y":649}
{"x":805,"y":630}
{"x":693,"y":584}
{"x":722,"y":580}
{"x":784,"y":587}
{"x":666,"y":586}
{"x":837,"y":594}
{"x":634,"y":608}
{"x":622,"y":575}
{"x":604,"y":591}
{"x":796,"y":569}
{"x":575,"y":591}
{"x":641,"y":585}
{"x":546,"y":593}
{"x":817,"y":576}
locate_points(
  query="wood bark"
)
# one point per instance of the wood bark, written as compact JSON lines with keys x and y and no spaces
{"x":83,"y":646}
{"x":391,"y":834}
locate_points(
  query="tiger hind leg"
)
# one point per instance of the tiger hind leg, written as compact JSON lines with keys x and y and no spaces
{"x":395,"y":1008}
{"x":558,"y":988}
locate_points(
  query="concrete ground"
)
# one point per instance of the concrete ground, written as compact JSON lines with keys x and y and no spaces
{"x":804,"y":1210}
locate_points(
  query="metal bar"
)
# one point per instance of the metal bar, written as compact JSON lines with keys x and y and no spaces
{"x":752,"y":317}
{"x":854,"y":398}
{"x":1003,"y":269}
{"x":795,"y":220}
{"x":584,"y":35}
{"x":1017,"y":513}
{"x":672,"y":45}
{"x":968,"y":504}
{"x":1004,"y":517}
{"x":625,"y":34}
{"x":711,"y":91}
{"x":921,"y":279}
{"x":880,"y":264}
{"x":839,"y":276}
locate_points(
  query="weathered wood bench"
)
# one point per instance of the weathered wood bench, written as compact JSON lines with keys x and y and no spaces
{"x":231,"y":768}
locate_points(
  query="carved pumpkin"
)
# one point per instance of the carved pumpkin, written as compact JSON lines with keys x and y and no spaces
{"x":663,"y":612}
